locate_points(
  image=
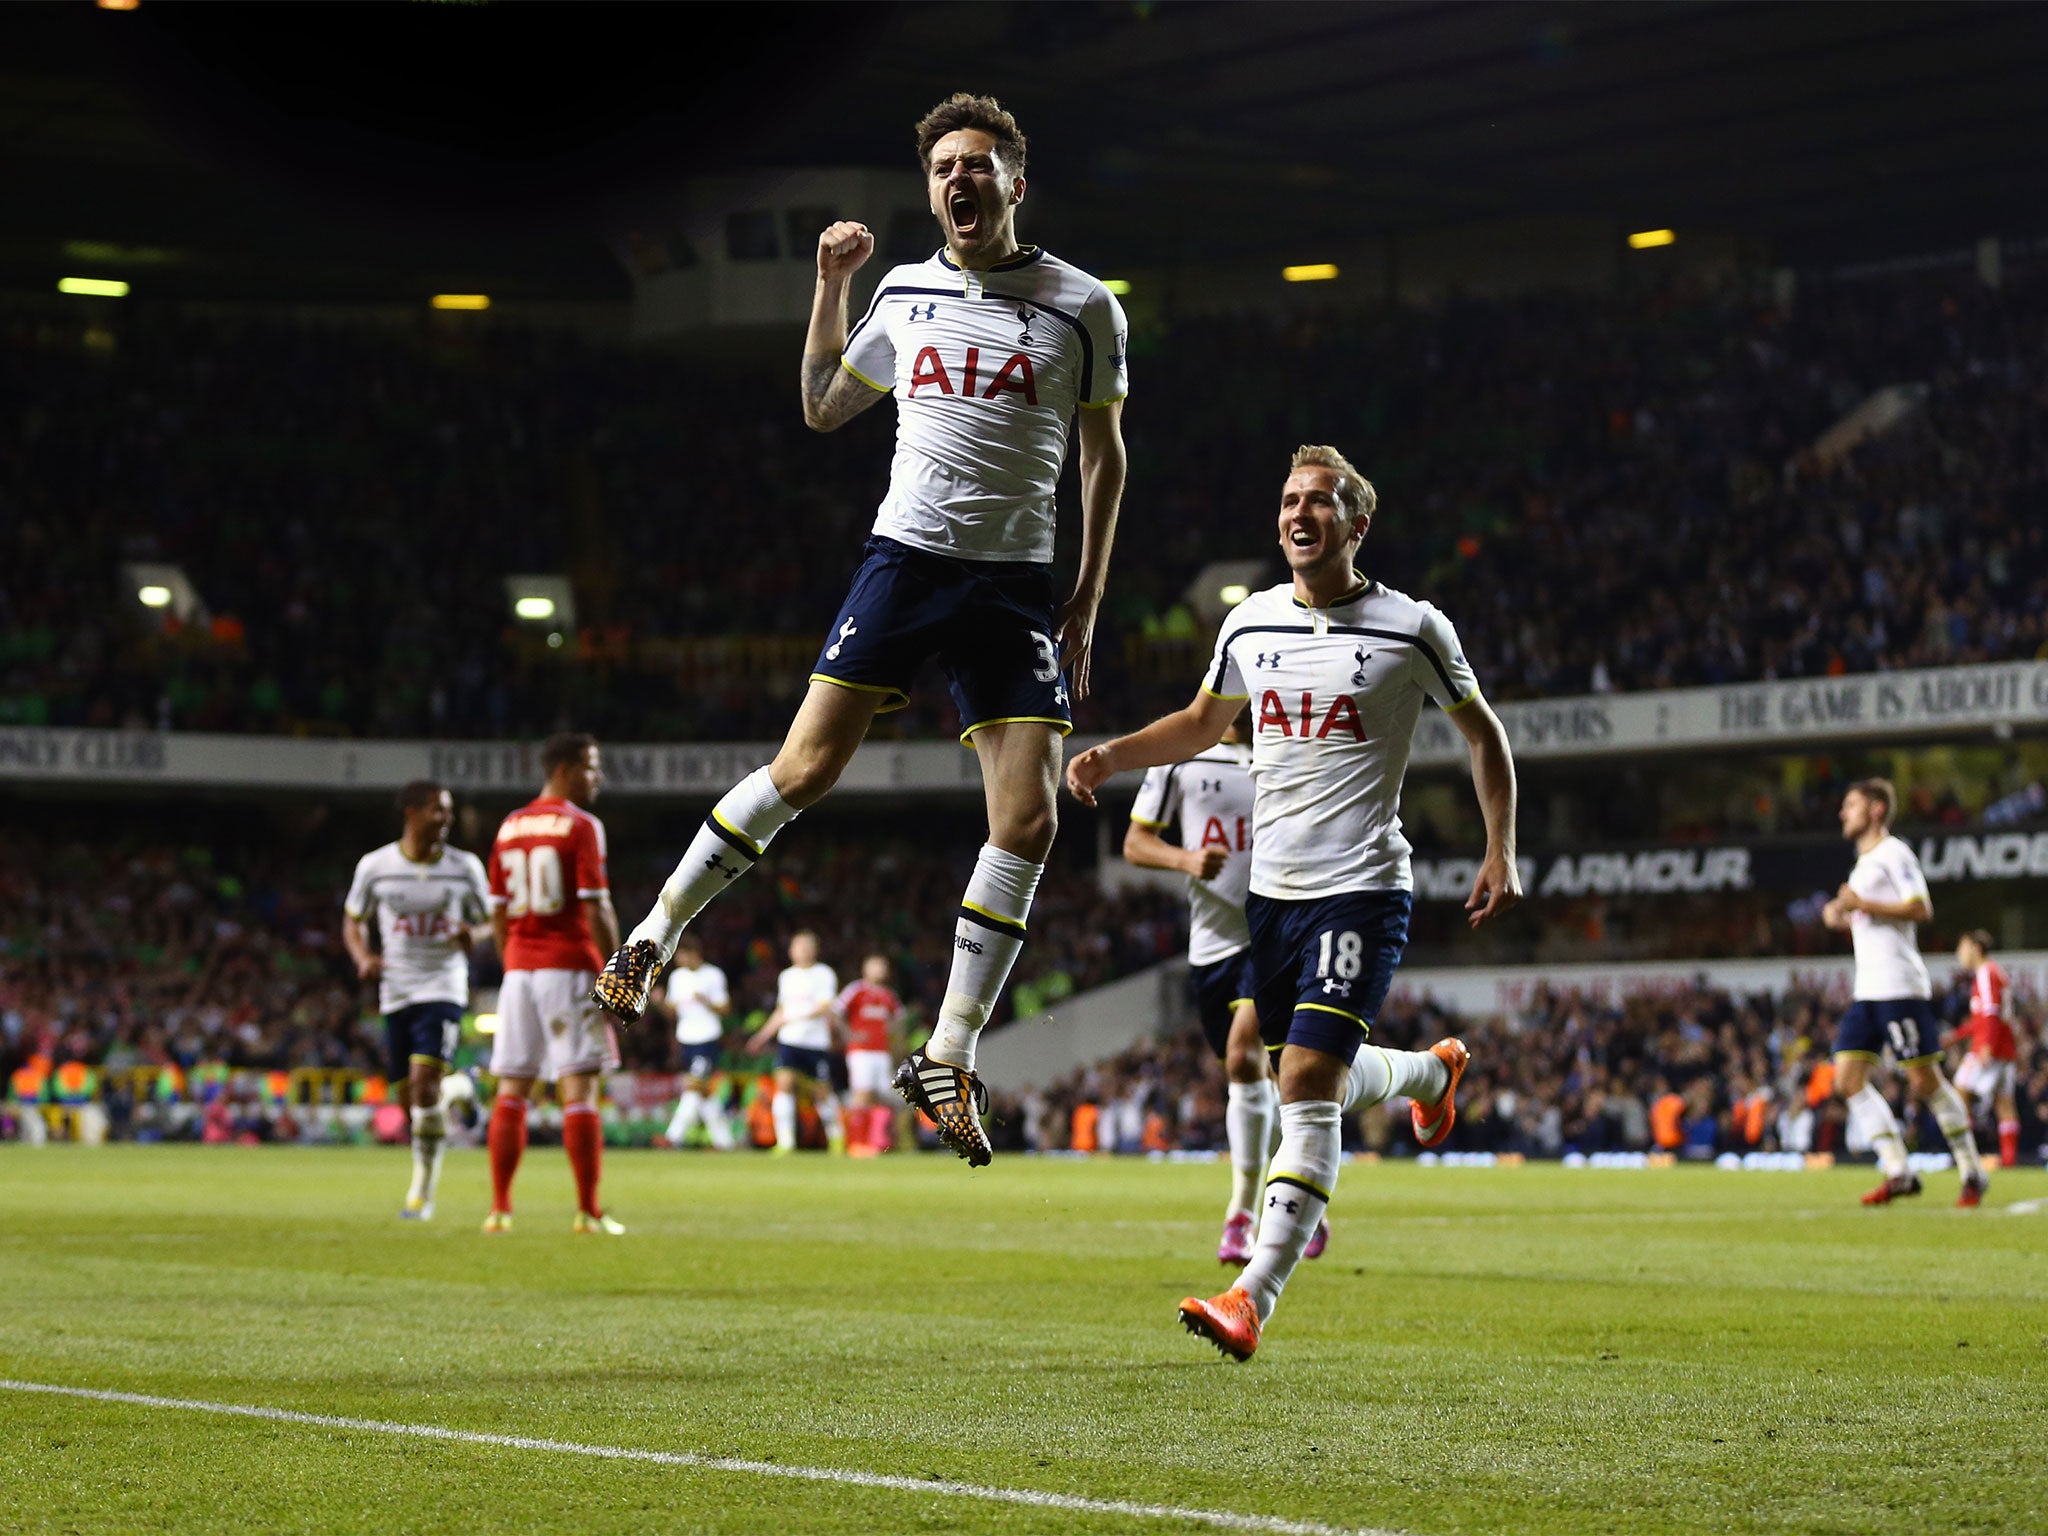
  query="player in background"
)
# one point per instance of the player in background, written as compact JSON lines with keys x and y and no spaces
{"x":1988,"y":1071}
{"x":1209,"y":797}
{"x":872,"y":1013}
{"x":1878,"y":905}
{"x":698,"y":1001}
{"x":990,"y":349}
{"x":427,"y":900}
{"x":551,"y":905}
{"x":1337,"y":667}
{"x":803,"y":1026}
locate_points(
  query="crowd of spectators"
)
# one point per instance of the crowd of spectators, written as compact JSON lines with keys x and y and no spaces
{"x":1613,"y":492}
{"x":124,"y":946}
{"x":1693,"y":1074}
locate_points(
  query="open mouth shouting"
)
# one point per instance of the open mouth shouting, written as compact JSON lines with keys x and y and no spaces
{"x":963,"y":213}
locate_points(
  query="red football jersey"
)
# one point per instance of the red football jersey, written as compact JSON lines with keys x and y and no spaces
{"x":547,"y":860}
{"x":869,"y":1011}
{"x":1990,"y":1028}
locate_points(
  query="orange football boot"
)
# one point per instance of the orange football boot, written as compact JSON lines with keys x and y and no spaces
{"x":1229,"y":1321}
{"x":1433,"y":1124}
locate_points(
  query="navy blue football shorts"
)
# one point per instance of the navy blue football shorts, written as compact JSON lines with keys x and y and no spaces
{"x":990,"y":623}
{"x":805,"y":1062}
{"x":422,"y":1032}
{"x":1906,"y":1024}
{"x":700,"y":1058}
{"x":1321,"y":968}
{"x":1217,"y":989}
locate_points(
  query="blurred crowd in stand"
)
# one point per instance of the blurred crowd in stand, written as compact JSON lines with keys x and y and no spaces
{"x":1694,"y":1074}
{"x":1613,"y":492}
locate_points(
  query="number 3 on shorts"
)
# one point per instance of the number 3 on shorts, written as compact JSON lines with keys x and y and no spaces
{"x":1349,"y":958}
{"x":1048,"y":666}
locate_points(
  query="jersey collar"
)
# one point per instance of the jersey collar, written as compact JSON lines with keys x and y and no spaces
{"x":1025,"y":256}
{"x":1365,"y":588}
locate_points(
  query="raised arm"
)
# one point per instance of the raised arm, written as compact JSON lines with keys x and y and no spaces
{"x":1172,"y":738}
{"x":1103,"y":463}
{"x":833,"y":395}
{"x":1498,"y":885}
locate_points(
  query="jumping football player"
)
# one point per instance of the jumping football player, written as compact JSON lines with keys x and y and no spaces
{"x":551,"y":905}
{"x":428,"y":900}
{"x":1879,"y":904}
{"x":989,"y":347}
{"x":1337,"y":667}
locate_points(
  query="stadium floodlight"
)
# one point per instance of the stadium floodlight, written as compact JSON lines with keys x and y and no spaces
{"x":1221,"y":585}
{"x":543,"y":600}
{"x":164,"y":589}
{"x":94,"y":287}
{"x":1645,"y":239}
{"x":119,"y":5}
{"x":462,"y":301}
{"x":1312,"y":272}
{"x":1117,"y":285}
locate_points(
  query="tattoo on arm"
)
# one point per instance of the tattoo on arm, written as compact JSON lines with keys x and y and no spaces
{"x":832,"y":396}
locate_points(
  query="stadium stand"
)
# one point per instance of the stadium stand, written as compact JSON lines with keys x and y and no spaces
{"x":346,"y":497}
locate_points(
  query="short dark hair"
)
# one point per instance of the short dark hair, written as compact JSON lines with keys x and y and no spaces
{"x":419,"y":794}
{"x":1882,"y":792}
{"x":1981,"y":937}
{"x":565,"y":749}
{"x":962,"y":110}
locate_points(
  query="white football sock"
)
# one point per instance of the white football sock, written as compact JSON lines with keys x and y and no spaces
{"x":687,"y":1113}
{"x":1378,"y":1074}
{"x":1953,"y":1116}
{"x":783,"y":1107}
{"x":1298,"y":1190}
{"x":1880,"y":1128}
{"x":986,"y":939}
{"x":830,"y":1117}
{"x":734,"y":835}
{"x":429,"y":1143}
{"x":717,"y":1122}
{"x":1248,"y":1114}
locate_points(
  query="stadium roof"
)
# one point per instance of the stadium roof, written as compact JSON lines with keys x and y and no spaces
{"x":354,"y":150}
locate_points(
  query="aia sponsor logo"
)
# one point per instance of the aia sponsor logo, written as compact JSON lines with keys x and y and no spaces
{"x":929,"y":371}
{"x":1302,"y":716}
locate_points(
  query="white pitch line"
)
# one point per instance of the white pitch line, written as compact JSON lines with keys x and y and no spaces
{"x":1222,"y":1518}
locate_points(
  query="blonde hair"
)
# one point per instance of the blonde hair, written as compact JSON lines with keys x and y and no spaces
{"x":1354,"y":492}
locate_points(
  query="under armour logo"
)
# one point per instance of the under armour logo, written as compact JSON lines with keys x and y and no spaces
{"x":1335,"y":988}
{"x":1361,"y":656}
{"x":1289,"y":1206}
{"x":717,"y":862}
{"x":1267,"y":659}
{"x":1024,"y":336}
{"x":930,"y":311}
{"x":845,"y":630}
{"x":1059,"y":693}
{"x":1209,"y":786}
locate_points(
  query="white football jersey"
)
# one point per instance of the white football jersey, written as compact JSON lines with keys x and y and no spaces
{"x":694,"y":993}
{"x":1335,"y":696}
{"x":1210,"y":795}
{"x":800,"y":990}
{"x":1888,"y":963}
{"x":418,"y":908}
{"x":987,"y":369}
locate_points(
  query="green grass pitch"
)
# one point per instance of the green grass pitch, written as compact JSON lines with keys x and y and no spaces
{"x":1525,"y":1350}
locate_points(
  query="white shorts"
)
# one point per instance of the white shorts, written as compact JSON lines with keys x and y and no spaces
{"x":1984,"y":1078}
{"x":548,"y":1027}
{"x":869,"y":1071}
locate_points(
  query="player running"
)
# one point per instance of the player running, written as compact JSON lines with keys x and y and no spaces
{"x":872,"y":1013}
{"x":989,"y":348}
{"x":1989,"y":1070}
{"x":802,"y":1027}
{"x":1209,"y":797}
{"x":1336,"y":667}
{"x":699,"y":1001}
{"x":551,"y":905}
{"x":428,"y":899}
{"x":1884,"y":896}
